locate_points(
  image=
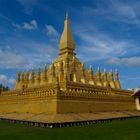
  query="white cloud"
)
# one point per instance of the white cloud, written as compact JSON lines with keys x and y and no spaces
{"x":26,"y":54}
{"x":51,"y":31}
{"x":116,"y":10}
{"x":123,"y":9}
{"x":32,"y":25}
{"x":43,"y":54}
{"x":28,"y":5}
{"x":100,"y":46}
{"x":7,"y":81}
{"x":131,"y":61}
{"x":10,"y":59}
{"x":126,"y":12}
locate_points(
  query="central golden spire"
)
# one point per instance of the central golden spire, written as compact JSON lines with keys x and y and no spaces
{"x":66,"y":44}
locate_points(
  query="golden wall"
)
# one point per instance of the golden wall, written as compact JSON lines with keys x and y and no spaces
{"x":66,"y":98}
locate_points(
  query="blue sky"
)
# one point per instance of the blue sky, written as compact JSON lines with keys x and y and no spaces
{"x":106,"y":32}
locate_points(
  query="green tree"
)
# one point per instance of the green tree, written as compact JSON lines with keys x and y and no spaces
{"x":3,"y":88}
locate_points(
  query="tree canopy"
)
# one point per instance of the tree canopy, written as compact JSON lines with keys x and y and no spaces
{"x":3,"y":88}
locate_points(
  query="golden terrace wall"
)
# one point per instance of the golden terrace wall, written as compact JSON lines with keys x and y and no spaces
{"x":81,"y":98}
{"x":33,"y":100}
{"x":66,"y":98}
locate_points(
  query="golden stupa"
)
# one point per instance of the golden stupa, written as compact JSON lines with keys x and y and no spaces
{"x":66,"y":86}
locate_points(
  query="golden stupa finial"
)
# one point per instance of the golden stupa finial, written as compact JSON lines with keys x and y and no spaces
{"x":67,"y":40}
{"x":67,"y":15}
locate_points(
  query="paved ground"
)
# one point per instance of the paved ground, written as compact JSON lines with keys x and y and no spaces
{"x":68,"y":117}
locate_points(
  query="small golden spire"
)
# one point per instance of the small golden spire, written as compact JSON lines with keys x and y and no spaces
{"x":32,"y":75}
{"x":117,"y":81}
{"x":98,"y":68}
{"x":105,"y":75}
{"x":27,"y":76}
{"x":90,"y":68}
{"x":98,"y":74}
{"x":117,"y":75}
{"x":39,"y":69}
{"x":18,"y":77}
{"x":82,"y":67}
{"x":39,"y":74}
{"x":90,"y":73}
{"x":45,"y":72}
{"x":82,"y":70}
{"x":111,"y":75}
{"x":53,"y":70}
{"x":22,"y":76}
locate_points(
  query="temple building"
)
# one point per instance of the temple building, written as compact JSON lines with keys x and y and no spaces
{"x":66,"y":86}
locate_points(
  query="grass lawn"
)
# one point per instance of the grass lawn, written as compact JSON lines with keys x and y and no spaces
{"x":116,"y":130}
